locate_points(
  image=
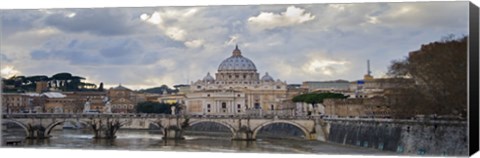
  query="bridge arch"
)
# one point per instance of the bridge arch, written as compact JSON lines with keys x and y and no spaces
{"x":49,"y":128}
{"x":230,"y":127}
{"x":303,"y":129}
{"x":155,"y":122}
{"x":27,"y":132}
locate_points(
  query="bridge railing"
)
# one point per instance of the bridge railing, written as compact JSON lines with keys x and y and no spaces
{"x":144,"y":115}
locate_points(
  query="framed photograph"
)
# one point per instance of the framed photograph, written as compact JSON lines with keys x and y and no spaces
{"x":373,"y":78}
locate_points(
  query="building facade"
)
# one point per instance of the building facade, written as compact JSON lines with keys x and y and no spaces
{"x":357,"y":107}
{"x":16,"y":102}
{"x":370,"y":87}
{"x":124,"y":100}
{"x":337,"y":85}
{"x":236,"y":89}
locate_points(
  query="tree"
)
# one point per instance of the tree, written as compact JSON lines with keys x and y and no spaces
{"x":60,"y":80}
{"x":160,"y":90}
{"x":439,"y":70}
{"x":315,"y":98}
{"x":100,"y":88}
{"x":74,"y":83}
{"x":154,"y":107}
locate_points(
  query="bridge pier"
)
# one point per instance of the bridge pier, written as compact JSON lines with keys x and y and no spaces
{"x":244,"y":134}
{"x":321,"y":131}
{"x":36,"y":132}
{"x":105,"y":130}
{"x":173,"y":133}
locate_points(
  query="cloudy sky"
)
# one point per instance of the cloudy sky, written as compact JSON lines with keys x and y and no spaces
{"x":148,"y":47}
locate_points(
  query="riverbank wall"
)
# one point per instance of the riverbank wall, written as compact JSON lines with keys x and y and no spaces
{"x":409,"y":137}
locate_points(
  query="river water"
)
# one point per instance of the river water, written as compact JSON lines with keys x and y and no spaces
{"x":203,"y":142}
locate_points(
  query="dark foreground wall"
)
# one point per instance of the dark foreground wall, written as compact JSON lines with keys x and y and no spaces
{"x":407,"y":137}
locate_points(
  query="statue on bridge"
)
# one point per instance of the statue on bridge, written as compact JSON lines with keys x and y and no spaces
{"x":173,"y":108}
{"x":107,"y":109}
{"x":86,"y":106}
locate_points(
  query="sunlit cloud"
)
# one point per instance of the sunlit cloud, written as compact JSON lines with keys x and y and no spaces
{"x":71,"y":15}
{"x":194,"y":43}
{"x":325,"y":67}
{"x":160,"y":19}
{"x":269,"y":20}
{"x":8,"y":71}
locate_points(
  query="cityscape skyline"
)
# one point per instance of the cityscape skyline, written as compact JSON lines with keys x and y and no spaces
{"x":148,"y":47}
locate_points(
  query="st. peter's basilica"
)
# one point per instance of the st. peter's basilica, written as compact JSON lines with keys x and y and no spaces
{"x":236,"y":89}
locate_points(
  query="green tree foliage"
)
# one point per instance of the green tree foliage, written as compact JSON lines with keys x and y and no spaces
{"x":154,"y":107}
{"x":63,"y":81}
{"x":315,"y":98}
{"x":440,"y":73}
{"x":160,"y":90}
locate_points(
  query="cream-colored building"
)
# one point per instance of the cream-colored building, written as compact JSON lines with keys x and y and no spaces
{"x":15,"y":102}
{"x":236,"y":89}
{"x":121,"y":99}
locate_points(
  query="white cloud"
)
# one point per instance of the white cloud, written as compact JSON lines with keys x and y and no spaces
{"x":325,"y":66}
{"x":194,"y":43}
{"x":167,"y":21}
{"x":176,"y":33}
{"x":9,"y":71}
{"x":292,"y":16}
{"x":71,"y":15}
{"x":154,"y":19}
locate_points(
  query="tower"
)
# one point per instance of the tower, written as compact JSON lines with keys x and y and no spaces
{"x":368,"y":76}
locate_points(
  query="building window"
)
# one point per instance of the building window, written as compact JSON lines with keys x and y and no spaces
{"x":208,"y":95}
{"x":239,"y":106}
{"x":208,"y":105}
{"x":198,"y":87}
{"x":224,"y":105}
{"x":271,"y":107}
{"x":238,"y":95}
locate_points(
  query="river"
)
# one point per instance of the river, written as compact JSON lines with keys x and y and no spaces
{"x":199,"y":142}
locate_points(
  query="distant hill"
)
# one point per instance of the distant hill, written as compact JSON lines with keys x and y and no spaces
{"x":159,"y":90}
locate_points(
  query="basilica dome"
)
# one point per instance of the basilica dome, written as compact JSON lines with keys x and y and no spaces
{"x":267,"y":78}
{"x":237,"y":63}
{"x":208,"y":78}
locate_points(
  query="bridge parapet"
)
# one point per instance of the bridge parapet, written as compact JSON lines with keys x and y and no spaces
{"x":243,"y":127}
{"x":134,"y":115}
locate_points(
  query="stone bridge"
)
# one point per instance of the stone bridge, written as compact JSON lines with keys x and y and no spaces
{"x":104,"y":126}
